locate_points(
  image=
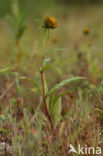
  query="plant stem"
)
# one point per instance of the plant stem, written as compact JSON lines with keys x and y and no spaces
{"x":44,"y":101}
{"x":43,"y":85}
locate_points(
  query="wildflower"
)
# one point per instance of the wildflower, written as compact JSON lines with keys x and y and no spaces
{"x":86,"y":31}
{"x":50,"y":22}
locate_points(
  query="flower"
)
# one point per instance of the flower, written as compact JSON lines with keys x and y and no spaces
{"x":86,"y":31}
{"x":50,"y":22}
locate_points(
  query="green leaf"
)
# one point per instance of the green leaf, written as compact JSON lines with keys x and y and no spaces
{"x":19,"y":88}
{"x":52,"y":102}
{"x":2,"y":118}
{"x":99,"y":110}
{"x":46,"y":61}
{"x":54,"y":99}
{"x":60,"y":95}
{"x":5,"y":71}
{"x":64,"y":82}
{"x":68,"y":115}
{"x":53,"y":67}
{"x":34,"y":83}
{"x":56,"y":113}
{"x":21,"y":18}
{"x":20,"y":32}
{"x":56,"y":50}
{"x":46,"y":91}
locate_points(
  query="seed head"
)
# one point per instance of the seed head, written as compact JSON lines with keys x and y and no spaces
{"x":50,"y":22}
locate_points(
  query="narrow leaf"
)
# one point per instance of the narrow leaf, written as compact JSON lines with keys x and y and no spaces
{"x":34,"y":83}
{"x":5,"y":70}
{"x":46,"y":61}
{"x":46,"y":91}
{"x":56,"y":50}
{"x":20,"y":32}
{"x":56,"y":114}
{"x":64,"y":82}
{"x":53,"y":67}
{"x":60,"y":95}
{"x":99,"y":110}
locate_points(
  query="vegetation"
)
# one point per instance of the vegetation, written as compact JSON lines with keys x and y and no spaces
{"x":51,"y":87}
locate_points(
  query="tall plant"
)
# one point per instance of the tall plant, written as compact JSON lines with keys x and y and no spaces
{"x":51,"y":101}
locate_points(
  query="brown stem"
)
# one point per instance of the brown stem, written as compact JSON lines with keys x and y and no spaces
{"x":45,"y":105}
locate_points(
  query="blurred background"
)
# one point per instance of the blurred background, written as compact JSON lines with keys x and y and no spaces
{"x":72,"y":16}
{"x":37,"y":7}
{"x":34,"y":7}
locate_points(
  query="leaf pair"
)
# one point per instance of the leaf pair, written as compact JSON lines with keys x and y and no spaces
{"x":55,"y":107}
{"x":61,"y":84}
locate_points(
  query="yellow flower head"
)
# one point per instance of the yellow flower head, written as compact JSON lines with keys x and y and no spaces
{"x":50,"y":22}
{"x":86,"y":31}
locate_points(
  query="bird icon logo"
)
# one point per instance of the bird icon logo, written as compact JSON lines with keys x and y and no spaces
{"x":72,"y":149}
